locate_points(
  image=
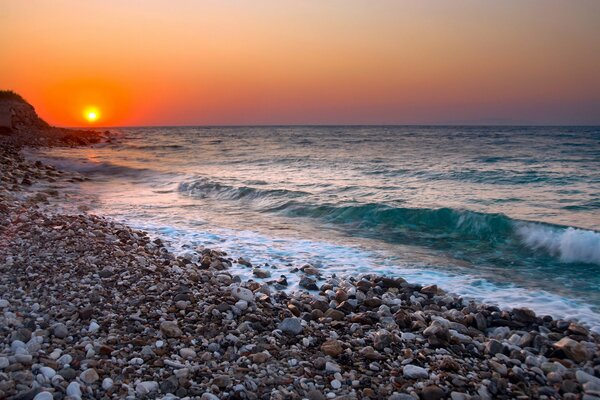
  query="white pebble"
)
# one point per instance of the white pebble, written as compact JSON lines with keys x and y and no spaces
{"x":336,"y":384}
{"x":43,"y":396}
{"x":65,"y":359}
{"x":107,"y":383}
{"x":74,"y":390}
{"x":47,"y":372}
{"x":93,"y":327}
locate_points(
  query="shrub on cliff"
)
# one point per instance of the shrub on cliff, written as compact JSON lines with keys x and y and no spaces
{"x":10,"y":95}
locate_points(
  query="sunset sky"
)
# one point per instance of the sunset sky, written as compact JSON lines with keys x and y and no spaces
{"x":304,"y":62}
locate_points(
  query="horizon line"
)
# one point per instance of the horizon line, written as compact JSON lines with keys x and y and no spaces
{"x":441,"y":125}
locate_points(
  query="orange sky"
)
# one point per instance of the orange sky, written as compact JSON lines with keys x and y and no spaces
{"x":304,"y":62}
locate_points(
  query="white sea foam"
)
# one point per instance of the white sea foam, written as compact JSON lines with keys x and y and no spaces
{"x":570,"y":245}
{"x":283,"y":253}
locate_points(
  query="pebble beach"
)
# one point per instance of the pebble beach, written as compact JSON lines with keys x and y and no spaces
{"x":90,"y":308}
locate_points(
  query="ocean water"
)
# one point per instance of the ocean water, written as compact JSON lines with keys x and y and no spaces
{"x":505,"y":215}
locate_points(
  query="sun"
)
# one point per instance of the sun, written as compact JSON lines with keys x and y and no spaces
{"x":91,"y":114}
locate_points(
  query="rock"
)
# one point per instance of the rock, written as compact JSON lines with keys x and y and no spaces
{"x":261,"y":273}
{"x":332,"y":367}
{"x":146,"y":387}
{"x":341,"y":296}
{"x":259,"y":358}
{"x":47,"y":372}
{"x":293,"y":326}
{"x":332,"y":348}
{"x":414,"y":372}
{"x":572,"y":349}
{"x":243,"y":294}
{"x":68,"y":373}
{"x":370,"y":353}
{"x":335,"y":384}
{"x":432,"y":392}
{"x":43,"y":396}
{"x":89,"y":376}
{"x":60,"y":331}
{"x":372,"y":302}
{"x":315,"y":395}
{"x":74,"y":390}
{"x":107,"y":384}
{"x":93,"y":327}
{"x":244,"y":262}
{"x":187,"y":353}
{"x":105,"y":273}
{"x":480,"y":322}
{"x":577,"y":329}
{"x":583,"y":378}
{"x":494,"y":347}
{"x":524,"y":315}
{"x":170,"y":329}
{"x":335,"y":315}
{"x":4,"y":362}
{"x":459,"y":396}
{"x":208,"y":396}
{"x":4,"y":303}
{"x":222,"y":381}
{"x":308,"y":283}
{"x":431,"y":289}
{"x":382,"y":339}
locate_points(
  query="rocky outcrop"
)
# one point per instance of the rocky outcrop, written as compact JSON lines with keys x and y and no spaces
{"x":20,"y":125}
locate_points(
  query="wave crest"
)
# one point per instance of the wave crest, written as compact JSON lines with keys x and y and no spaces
{"x":570,"y":244}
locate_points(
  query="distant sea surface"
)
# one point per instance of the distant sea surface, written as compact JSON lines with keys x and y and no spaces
{"x":505,"y":215}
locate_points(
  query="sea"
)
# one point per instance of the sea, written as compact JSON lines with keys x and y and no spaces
{"x":503,"y":215}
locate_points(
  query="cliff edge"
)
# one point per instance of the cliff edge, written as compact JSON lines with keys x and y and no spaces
{"x":21,"y":126}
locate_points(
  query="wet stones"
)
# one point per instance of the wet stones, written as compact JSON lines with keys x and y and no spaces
{"x":308,"y":283}
{"x":523,"y":315}
{"x":572,"y":349}
{"x":261,"y":273}
{"x":242,"y":294}
{"x":159,"y":323}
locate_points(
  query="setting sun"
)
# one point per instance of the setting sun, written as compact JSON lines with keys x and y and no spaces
{"x":91,"y":114}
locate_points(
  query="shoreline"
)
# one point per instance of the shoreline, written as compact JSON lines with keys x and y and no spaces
{"x":92,"y":308}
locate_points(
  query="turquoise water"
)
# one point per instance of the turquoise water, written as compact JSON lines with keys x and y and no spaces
{"x":510,"y":215}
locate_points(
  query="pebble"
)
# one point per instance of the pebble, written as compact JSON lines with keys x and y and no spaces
{"x":107,"y":383}
{"x":291,"y":325}
{"x":183,"y":326}
{"x":170,"y":329}
{"x":61,"y":331}
{"x":47,"y":372}
{"x":243,"y":294}
{"x":74,"y":390}
{"x":414,"y":372}
{"x":146,"y":387}
{"x":43,"y":396}
{"x":89,"y":376}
